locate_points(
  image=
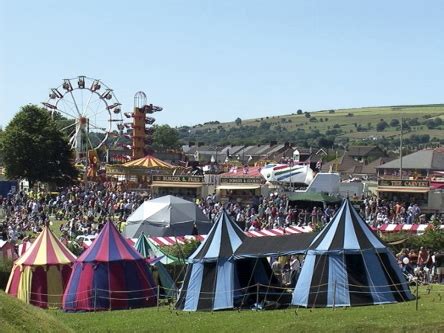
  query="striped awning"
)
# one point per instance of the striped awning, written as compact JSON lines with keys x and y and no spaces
{"x":168,"y":241}
{"x":413,"y":228}
{"x":148,"y":162}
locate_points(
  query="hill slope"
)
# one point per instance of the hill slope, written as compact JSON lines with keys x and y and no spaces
{"x":16,"y":316}
{"x":355,"y":125}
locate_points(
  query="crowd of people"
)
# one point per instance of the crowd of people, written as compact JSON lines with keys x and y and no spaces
{"x":82,"y":210}
{"x":425,"y":266}
{"x":389,"y":211}
{"x":267,"y":212}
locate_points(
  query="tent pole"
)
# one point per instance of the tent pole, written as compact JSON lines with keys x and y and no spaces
{"x":158,"y":296}
{"x":257,"y":296}
{"x":334,"y":295}
{"x":95,"y":298}
{"x":417,"y":294}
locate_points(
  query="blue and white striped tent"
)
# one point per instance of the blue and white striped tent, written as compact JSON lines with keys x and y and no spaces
{"x":348,"y":265}
{"x":214,"y":280}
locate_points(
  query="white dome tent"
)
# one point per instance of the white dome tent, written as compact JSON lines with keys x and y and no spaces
{"x":167,"y":216}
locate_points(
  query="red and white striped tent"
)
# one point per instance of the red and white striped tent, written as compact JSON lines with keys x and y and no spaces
{"x":162,"y":241}
{"x":413,"y":228}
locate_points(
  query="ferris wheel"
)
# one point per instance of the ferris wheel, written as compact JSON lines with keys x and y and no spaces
{"x":90,"y":113}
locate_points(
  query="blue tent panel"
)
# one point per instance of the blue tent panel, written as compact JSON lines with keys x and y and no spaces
{"x":223,"y":295}
{"x":302,"y":289}
{"x":338,"y":293}
{"x":379,"y":285}
{"x":194,"y":285}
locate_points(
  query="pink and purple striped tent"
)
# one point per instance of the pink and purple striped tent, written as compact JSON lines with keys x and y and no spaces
{"x":109,"y":275}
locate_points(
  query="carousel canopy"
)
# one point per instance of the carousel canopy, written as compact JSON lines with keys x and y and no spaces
{"x":46,"y":250}
{"x":149,"y":162}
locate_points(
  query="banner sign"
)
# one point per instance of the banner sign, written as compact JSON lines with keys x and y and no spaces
{"x":241,"y":180}
{"x":178,"y":179}
{"x":403,"y":183}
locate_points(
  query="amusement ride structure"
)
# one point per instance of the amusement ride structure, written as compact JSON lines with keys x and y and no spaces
{"x":92,"y":113}
{"x":91,"y":117}
{"x":140,"y":130}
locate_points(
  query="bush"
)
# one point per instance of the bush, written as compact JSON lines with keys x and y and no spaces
{"x":394,"y":122}
{"x":181,"y":251}
{"x":381,"y":126}
{"x":5,"y":271}
{"x":432,"y":239}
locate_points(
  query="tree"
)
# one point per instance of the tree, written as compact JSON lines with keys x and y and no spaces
{"x":299,"y":111}
{"x":394,"y":122}
{"x":325,"y":142}
{"x":238,"y":121}
{"x":33,"y":148}
{"x":264,"y":125}
{"x":381,"y":126}
{"x":430,"y":123}
{"x":165,"y":137}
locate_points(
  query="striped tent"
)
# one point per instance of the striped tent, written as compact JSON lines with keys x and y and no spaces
{"x":410,"y":228}
{"x":7,"y":251}
{"x":39,"y":276}
{"x":171,"y":240}
{"x":160,"y":273}
{"x":109,"y":275}
{"x":348,"y":265}
{"x":148,"y":162}
{"x":213,"y":279}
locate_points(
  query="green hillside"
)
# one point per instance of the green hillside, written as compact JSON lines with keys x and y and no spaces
{"x":358,"y":125}
{"x":16,"y":316}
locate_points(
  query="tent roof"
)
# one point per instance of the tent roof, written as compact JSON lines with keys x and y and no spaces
{"x":142,"y":246}
{"x":149,"y":162}
{"x":347,"y":231}
{"x":46,"y":250}
{"x":166,"y":258}
{"x":167,"y":210}
{"x":109,"y":246}
{"x":271,"y":246}
{"x":313,"y":197}
{"x":224,"y":239}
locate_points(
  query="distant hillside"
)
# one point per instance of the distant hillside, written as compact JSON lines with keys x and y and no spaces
{"x":379,"y":125}
{"x":16,"y":316}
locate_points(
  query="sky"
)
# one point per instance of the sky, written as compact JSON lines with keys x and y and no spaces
{"x":219,"y":60}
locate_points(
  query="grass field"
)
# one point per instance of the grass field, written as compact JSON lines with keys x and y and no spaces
{"x":401,"y":317}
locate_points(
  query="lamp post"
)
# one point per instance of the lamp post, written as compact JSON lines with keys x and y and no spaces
{"x":400,"y":152}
